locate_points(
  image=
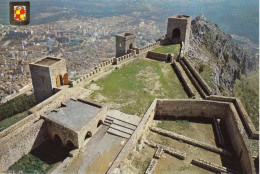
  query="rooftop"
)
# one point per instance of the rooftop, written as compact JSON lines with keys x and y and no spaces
{"x":47,"y":61}
{"x":74,"y":115}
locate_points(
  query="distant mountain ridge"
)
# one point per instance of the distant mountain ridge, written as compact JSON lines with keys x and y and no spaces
{"x":227,"y":58}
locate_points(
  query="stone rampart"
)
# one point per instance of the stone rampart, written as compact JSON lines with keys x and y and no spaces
{"x":139,"y":131}
{"x":157,"y":56}
{"x":182,"y":80}
{"x":247,"y":122}
{"x":149,"y":47}
{"x":190,"y":141}
{"x":12,"y":148}
{"x":193,"y":80}
{"x":202,"y":83}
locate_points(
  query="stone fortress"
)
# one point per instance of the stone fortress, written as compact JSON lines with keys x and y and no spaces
{"x":64,"y":115}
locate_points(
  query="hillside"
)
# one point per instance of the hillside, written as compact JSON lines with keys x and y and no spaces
{"x":224,"y":64}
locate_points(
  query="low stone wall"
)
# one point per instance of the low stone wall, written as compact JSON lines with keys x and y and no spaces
{"x":182,"y":80}
{"x":157,"y":56}
{"x":247,"y":122}
{"x":193,"y":80}
{"x":21,"y":143}
{"x":210,"y":166}
{"x":139,"y":131}
{"x":202,"y":83}
{"x":190,"y":108}
{"x":190,"y":141}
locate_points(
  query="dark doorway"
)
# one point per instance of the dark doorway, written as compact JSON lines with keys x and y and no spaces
{"x":88,"y":135}
{"x":69,"y":145}
{"x":176,"y":34}
{"x":100,"y":122}
{"x":131,"y":46}
{"x":57,"y":139}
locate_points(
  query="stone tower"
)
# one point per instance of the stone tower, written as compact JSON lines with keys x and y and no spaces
{"x":48,"y":73}
{"x":124,"y":42}
{"x":178,"y":30}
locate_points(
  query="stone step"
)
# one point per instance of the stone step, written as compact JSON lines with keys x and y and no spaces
{"x":108,"y":121}
{"x":118,"y":133}
{"x":131,"y":119}
{"x":124,"y":124}
{"x":122,"y":129}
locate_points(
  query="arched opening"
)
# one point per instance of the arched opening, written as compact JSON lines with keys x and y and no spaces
{"x":57,"y":139}
{"x":100,"y":122}
{"x":88,"y":135}
{"x":66,"y":79}
{"x":176,"y":34}
{"x":131,"y":46}
{"x":59,"y":81}
{"x":70,"y":145}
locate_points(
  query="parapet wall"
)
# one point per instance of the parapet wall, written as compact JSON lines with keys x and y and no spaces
{"x":247,"y":122}
{"x":190,"y":108}
{"x":157,"y":56}
{"x":12,"y":148}
{"x":197,"y":76}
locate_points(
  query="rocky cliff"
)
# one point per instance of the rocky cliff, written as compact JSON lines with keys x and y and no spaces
{"x":228,"y":60}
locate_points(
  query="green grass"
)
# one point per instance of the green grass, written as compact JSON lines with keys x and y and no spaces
{"x":17,"y":105}
{"x":247,"y":89}
{"x":12,"y":120}
{"x":173,"y":49}
{"x":205,"y":72}
{"x":30,"y":164}
{"x":133,"y":87}
{"x":167,"y":125}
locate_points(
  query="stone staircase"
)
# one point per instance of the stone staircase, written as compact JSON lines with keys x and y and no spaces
{"x":120,"y":124}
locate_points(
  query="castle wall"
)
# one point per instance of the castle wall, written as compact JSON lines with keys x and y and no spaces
{"x":244,"y":117}
{"x":12,"y":148}
{"x":235,"y":130}
{"x":190,"y":108}
{"x":157,"y":56}
{"x":41,"y":81}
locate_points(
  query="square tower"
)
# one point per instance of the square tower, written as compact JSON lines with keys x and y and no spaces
{"x":48,"y":73}
{"x":178,"y":30}
{"x":124,"y":42}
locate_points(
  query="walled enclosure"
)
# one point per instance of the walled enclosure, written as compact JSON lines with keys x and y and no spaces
{"x":47,"y":73}
{"x":210,"y":109}
{"x":74,"y":121}
{"x":179,"y":25}
{"x":124,"y":42}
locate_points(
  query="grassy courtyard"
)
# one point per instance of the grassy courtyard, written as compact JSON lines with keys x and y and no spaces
{"x":172,"y":49}
{"x":132,"y":88}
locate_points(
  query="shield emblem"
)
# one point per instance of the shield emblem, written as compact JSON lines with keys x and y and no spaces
{"x":19,"y":12}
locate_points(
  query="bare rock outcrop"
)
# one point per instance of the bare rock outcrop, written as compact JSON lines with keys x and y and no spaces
{"x":228,"y":59}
